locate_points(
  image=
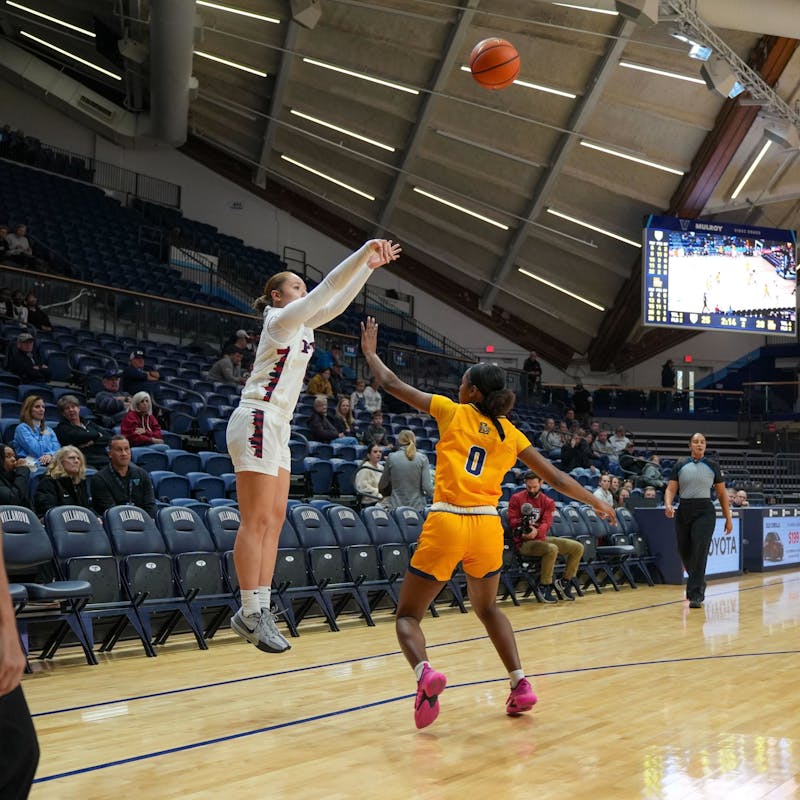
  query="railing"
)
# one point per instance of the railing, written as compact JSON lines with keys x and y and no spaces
{"x":84,"y":168}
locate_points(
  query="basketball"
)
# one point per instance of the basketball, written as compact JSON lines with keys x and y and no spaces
{"x":494,"y":63}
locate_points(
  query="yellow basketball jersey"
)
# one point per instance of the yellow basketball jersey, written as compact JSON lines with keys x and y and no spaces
{"x":471,"y":460}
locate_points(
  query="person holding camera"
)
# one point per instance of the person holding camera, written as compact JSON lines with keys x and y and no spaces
{"x":530,"y":514}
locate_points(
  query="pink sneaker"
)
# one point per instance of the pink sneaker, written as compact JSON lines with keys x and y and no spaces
{"x":429,"y":687}
{"x":521,"y":698}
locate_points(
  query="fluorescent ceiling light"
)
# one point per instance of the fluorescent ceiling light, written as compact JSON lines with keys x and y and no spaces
{"x":751,"y":170}
{"x":663,"y":72}
{"x":231,"y":64}
{"x":588,"y":8}
{"x":327,"y":177}
{"x":70,"y":55}
{"x":537,"y":86}
{"x":341,"y":130}
{"x":460,"y":208}
{"x":593,"y":227}
{"x":360,"y":75}
{"x":628,"y":157}
{"x":238,"y":11}
{"x":49,"y":18}
{"x":560,"y":289}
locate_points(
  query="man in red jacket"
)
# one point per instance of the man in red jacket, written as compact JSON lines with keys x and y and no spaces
{"x":530,"y":515}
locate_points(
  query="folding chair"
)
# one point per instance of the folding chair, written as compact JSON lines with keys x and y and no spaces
{"x":642,"y":558}
{"x":83,"y":552}
{"x":198,"y":565}
{"x":613,"y":547}
{"x":147,"y":570}
{"x":29,"y":554}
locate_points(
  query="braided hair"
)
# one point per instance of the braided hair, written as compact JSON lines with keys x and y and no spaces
{"x":490,"y":381}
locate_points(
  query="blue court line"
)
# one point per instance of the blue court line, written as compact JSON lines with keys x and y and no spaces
{"x":377,"y":703}
{"x":297,"y":670}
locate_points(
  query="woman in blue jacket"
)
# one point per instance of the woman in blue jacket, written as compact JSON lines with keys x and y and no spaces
{"x":33,"y":438}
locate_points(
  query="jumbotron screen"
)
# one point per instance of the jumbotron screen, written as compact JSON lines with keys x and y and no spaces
{"x":719,"y":276}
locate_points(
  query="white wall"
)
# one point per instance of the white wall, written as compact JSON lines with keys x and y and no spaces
{"x":210,"y":198}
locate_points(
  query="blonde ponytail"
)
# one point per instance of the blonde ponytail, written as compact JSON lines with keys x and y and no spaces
{"x":407,"y":439}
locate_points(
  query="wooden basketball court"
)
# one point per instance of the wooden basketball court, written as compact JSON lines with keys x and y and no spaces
{"x":639,"y":698}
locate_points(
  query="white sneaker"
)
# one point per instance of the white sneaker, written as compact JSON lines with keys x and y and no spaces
{"x":265,"y":635}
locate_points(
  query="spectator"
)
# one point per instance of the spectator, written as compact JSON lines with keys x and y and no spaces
{"x":135,"y":377}
{"x":652,"y":474}
{"x":740,"y":499}
{"x":64,"y":484}
{"x":602,"y":447}
{"x":603,"y":491}
{"x":239,"y":341}
{"x":121,"y":483}
{"x":582,"y":404}
{"x":228,"y":369}
{"x":576,"y":454}
{"x":531,"y":539}
{"x":32,"y":437}
{"x":629,"y":462}
{"x":19,"y":311}
{"x":668,"y":374}
{"x":375,"y":433}
{"x":406,"y":479}
{"x":533,"y":374}
{"x":14,"y":479}
{"x":343,"y":419}
{"x":85,"y":435}
{"x":368,"y":477}
{"x":139,"y":426}
{"x":623,"y":498}
{"x":551,"y":440}
{"x":23,"y":360}
{"x":373,"y":400}
{"x":110,"y":403}
{"x":619,"y":441}
{"x":336,"y":355}
{"x":357,"y":402}
{"x":19,"y":248}
{"x":337,"y":380}
{"x":320,"y":384}
{"x":36,"y":315}
{"x":321,"y":425}
{"x":6,"y":303}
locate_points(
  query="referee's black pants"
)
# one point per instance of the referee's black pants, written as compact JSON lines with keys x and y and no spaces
{"x":694,"y":526}
{"x":19,"y":748}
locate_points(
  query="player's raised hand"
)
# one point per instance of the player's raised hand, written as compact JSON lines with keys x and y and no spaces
{"x":382,"y":252}
{"x":369,"y":337}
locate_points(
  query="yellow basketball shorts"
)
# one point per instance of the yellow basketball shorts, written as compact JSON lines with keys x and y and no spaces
{"x":476,"y":540}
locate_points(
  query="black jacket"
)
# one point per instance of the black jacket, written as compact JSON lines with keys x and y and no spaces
{"x":136,"y":488}
{"x":52,"y":492}
{"x":77,"y":435}
{"x":14,"y":487}
{"x":322,"y":427}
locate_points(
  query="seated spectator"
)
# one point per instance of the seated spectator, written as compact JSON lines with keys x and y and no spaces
{"x":740,"y":499}
{"x":602,"y":447}
{"x":111,"y":404}
{"x":135,"y":377}
{"x":623,"y":499}
{"x":336,"y":355}
{"x":23,"y":360}
{"x":83,"y":434}
{"x":33,"y":438}
{"x":343,"y":419}
{"x":373,"y":400}
{"x":121,"y":483}
{"x":629,"y":462}
{"x":368,"y":477}
{"x":616,"y":485}
{"x":238,"y":341}
{"x":357,"y":397}
{"x":652,"y":474}
{"x":14,"y":479}
{"x":550,"y":440}
{"x":406,"y":478}
{"x":228,"y":369}
{"x":64,"y":484}
{"x":19,"y":311}
{"x":37,"y":316}
{"x":140,"y":426}
{"x":576,"y":454}
{"x":645,"y":472}
{"x":603,"y":491}
{"x":650,"y":496}
{"x":337,"y":380}
{"x":19,"y":248}
{"x":321,"y":423}
{"x":375,"y":433}
{"x":3,"y":243}
{"x":619,"y":441}
{"x":320,"y":384}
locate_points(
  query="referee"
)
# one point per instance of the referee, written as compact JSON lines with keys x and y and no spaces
{"x":692,"y":479}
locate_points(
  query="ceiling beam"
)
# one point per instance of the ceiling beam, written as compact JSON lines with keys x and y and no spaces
{"x":566,"y":142}
{"x":609,"y":350}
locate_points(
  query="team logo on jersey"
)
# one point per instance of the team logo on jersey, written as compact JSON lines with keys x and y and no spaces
{"x":483,"y":428}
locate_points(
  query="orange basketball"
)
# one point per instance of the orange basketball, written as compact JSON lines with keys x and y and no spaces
{"x":494,"y":63}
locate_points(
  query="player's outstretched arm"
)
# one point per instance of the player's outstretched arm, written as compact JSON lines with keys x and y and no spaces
{"x":565,"y":484}
{"x":387,"y":379}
